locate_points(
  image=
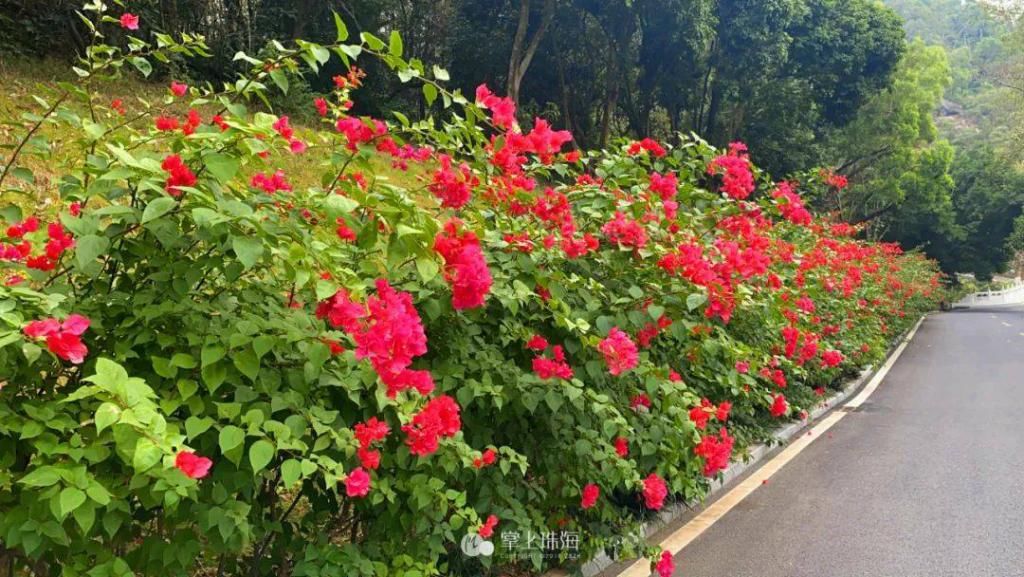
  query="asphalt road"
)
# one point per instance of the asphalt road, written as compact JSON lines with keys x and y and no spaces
{"x":926,"y":479}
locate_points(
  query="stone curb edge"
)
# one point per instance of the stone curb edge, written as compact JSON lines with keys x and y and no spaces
{"x":754,"y":456}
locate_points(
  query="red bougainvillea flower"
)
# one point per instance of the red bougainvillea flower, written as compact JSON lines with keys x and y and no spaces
{"x":271,"y":183}
{"x":321,"y":106}
{"x":734,"y":168}
{"x":438,"y":418}
{"x":166,"y":123}
{"x":371,"y":431}
{"x":646,"y":145}
{"x":178,"y":174}
{"x":555,"y":367}
{"x":622,"y":447}
{"x":486,"y":530}
{"x":465,"y":268}
{"x":589,"y":496}
{"x":345,"y":233}
{"x":791,"y":205}
{"x":537,"y":343}
{"x":625,"y":231}
{"x":654,"y":491}
{"x":62,"y":338}
{"x":503,"y":110}
{"x":368,"y":458}
{"x":194,"y":466}
{"x":453,"y":187}
{"x":640,"y":402}
{"x":358,"y":132}
{"x":722,"y":412}
{"x":129,"y":21}
{"x":779,"y":406}
{"x":357,"y":483}
{"x":716,"y":452}
{"x":831,"y":358}
{"x":178,"y":88}
{"x":666,"y":186}
{"x":620,"y":352}
{"x":665,"y":566}
{"x":387,"y":331}
{"x":486,"y":459}
{"x":742,"y":367}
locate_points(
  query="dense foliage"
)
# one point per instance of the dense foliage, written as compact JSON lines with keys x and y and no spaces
{"x":207,"y":370}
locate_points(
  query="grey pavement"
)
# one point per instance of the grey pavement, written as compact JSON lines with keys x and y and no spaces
{"x":926,"y":479}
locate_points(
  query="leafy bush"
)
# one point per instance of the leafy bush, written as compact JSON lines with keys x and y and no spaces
{"x":206,"y":370}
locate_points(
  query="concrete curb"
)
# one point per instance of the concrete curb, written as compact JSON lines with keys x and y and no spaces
{"x":754,"y":456}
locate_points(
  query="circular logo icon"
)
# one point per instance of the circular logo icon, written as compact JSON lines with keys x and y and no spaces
{"x":474,"y":545}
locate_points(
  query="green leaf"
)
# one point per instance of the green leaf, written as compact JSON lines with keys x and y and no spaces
{"x":395,"y":46}
{"x":291,"y":471}
{"x":247,"y":363}
{"x":260,"y":454}
{"x":147,"y":454}
{"x":339,"y":25}
{"x":279,"y":79}
{"x":440,"y":74}
{"x":88,"y":248}
{"x":372,"y":41}
{"x":429,"y":93}
{"x":195,"y":426}
{"x":231,"y":437}
{"x":695,"y":300}
{"x":248,"y":249}
{"x":142,"y":65}
{"x":107,"y":415}
{"x":222,"y":166}
{"x":22,"y":173}
{"x":41,"y":477}
{"x":157,"y":208}
{"x":71,"y":498}
{"x":211,"y":354}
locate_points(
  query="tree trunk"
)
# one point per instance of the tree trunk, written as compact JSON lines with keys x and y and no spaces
{"x":523,"y":51}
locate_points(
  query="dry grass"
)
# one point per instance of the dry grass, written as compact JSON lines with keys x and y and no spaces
{"x":22,"y":79}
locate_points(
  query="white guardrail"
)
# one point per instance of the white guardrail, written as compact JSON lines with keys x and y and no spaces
{"x":1012,"y":295}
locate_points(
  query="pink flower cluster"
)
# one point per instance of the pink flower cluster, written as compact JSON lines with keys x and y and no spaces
{"x":791,"y":205}
{"x":625,"y":231}
{"x":64,"y":339}
{"x":465,"y":267}
{"x":453,"y":187}
{"x":546,"y":368}
{"x":270,"y":183}
{"x":178,"y":175}
{"x":734,"y":168}
{"x":654,"y":491}
{"x":716,"y":452}
{"x":58,"y":242}
{"x":357,"y":131}
{"x":368,"y":433}
{"x":438,"y":418}
{"x":620,"y":352}
{"x":387,"y":331}
{"x":503,"y":110}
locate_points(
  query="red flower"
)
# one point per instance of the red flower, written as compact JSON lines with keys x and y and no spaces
{"x":537,"y":343}
{"x":654,"y":491}
{"x":734,"y":167}
{"x":357,"y":483}
{"x":503,"y":110}
{"x":620,"y":352}
{"x":546,"y":368}
{"x":438,"y":418}
{"x":831,"y":358}
{"x":779,"y":406}
{"x":321,"y":106}
{"x":487,"y":458}
{"x":487,"y":528}
{"x":622,"y":447}
{"x":722,"y":413}
{"x":62,"y":338}
{"x":388,"y":331}
{"x":345,"y":233}
{"x":368,"y":458}
{"x":371,"y":431}
{"x":129,"y":21}
{"x":640,"y":401}
{"x":166,"y":123}
{"x":465,"y":268}
{"x":665,"y":567}
{"x":589,"y":496}
{"x":178,"y":174}
{"x":179,"y":89}
{"x":625,"y":231}
{"x":666,"y":186}
{"x":716,"y":452}
{"x":271,"y":183}
{"x":194,"y":466}
{"x":453,"y":187}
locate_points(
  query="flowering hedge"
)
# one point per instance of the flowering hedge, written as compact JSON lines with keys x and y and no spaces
{"x":206,"y":369}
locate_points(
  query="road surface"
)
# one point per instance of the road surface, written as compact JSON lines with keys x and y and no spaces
{"x":926,"y":479}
